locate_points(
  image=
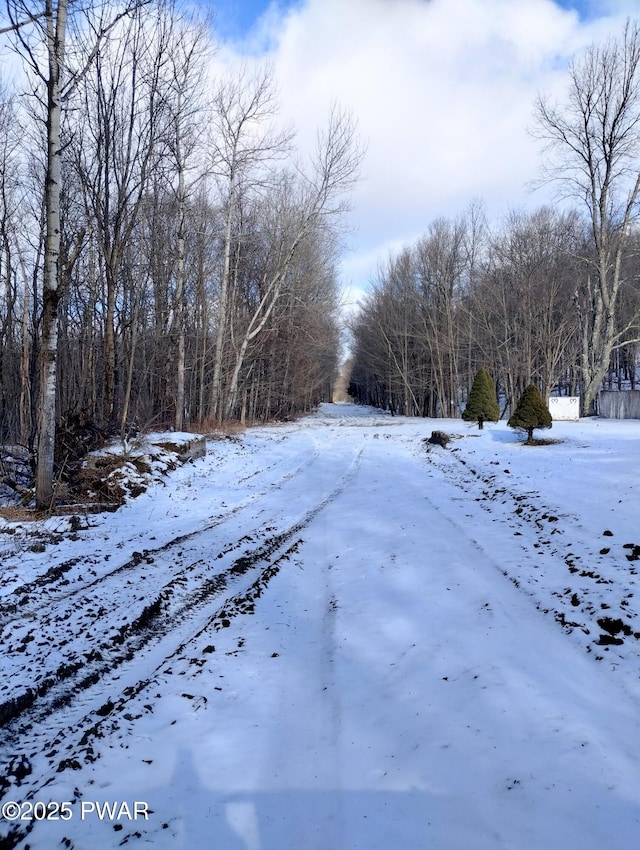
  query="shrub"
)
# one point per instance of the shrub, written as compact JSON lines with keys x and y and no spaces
{"x":482,"y":405}
{"x":531,"y":412}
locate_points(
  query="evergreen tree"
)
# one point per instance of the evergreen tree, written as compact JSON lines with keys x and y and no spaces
{"x":531,"y":412}
{"x":482,"y":405}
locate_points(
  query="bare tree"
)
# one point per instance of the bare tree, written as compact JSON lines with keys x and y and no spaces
{"x":524,"y":305}
{"x":185,"y":110}
{"x":246,"y":145}
{"x":460,"y":298}
{"x":10,"y":255}
{"x":34,"y":27}
{"x":297,"y":208}
{"x":50,"y":25}
{"x":441,"y":260}
{"x":594,"y":139}
{"x":115,"y":148}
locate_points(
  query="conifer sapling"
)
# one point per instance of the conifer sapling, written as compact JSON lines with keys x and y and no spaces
{"x":482,"y":405}
{"x":531,"y":412}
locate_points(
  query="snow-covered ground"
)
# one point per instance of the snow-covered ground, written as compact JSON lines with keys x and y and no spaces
{"x":330,"y":636}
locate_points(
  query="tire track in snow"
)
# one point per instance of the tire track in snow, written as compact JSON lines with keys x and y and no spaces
{"x":584,"y":592}
{"x":40,"y":665}
{"x":51,"y":579}
{"x":177,"y":619}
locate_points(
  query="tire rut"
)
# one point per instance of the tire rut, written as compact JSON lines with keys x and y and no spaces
{"x":543,"y":535}
{"x":172,"y":611}
{"x":53,"y":577}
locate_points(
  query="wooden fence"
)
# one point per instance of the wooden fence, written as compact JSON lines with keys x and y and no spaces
{"x":619,"y":405}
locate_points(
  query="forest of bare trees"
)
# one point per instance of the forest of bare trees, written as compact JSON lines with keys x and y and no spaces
{"x":514,"y":300}
{"x":165,"y":255}
{"x":550,"y":297}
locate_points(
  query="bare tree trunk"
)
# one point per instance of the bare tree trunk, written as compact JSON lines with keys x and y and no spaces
{"x":132,"y":355}
{"x":216,"y":384}
{"x":25,"y":383}
{"x":56,"y":22}
{"x":336,"y":167}
{"x":187,"y":53}
{"x":110,"y":349}
{"x":203,"y":318}
{"x":180,"y":285}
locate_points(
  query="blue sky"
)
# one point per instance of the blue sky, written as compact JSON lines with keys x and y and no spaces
{"x":590,"y":9}
{"x":583,"y":7}
{"x":235,"y":18}
{"x":442,"y":90}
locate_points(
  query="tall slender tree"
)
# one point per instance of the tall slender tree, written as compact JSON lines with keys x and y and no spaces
{"x":246,"y":145}
{"x":36,"y":26}
{"x":184,"y":108}
{"x":593,"y":140}
{"x":296,"y":211}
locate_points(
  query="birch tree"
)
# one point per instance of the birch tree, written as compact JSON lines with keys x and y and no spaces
{"x":40,"y":32}
{"x":45,"y":26}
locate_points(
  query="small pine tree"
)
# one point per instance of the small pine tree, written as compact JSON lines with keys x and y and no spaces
{"x":531,"y":412}
{"x":482,"y":405}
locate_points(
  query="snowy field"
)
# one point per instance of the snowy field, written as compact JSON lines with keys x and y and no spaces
{"x":330,"y":636}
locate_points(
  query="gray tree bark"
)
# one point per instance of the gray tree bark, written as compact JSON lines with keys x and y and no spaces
{"x":56,"y":22}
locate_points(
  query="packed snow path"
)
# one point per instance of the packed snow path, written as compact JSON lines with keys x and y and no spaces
{"x":328,"y":636}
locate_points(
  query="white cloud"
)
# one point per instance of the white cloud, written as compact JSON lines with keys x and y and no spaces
{"x":443,"y":93}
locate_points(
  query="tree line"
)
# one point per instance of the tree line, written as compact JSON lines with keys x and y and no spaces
{"x":550,"y":297}
{"x":166,"y":256}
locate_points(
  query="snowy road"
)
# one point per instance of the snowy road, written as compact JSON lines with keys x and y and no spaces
{"x":325,"y":636}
